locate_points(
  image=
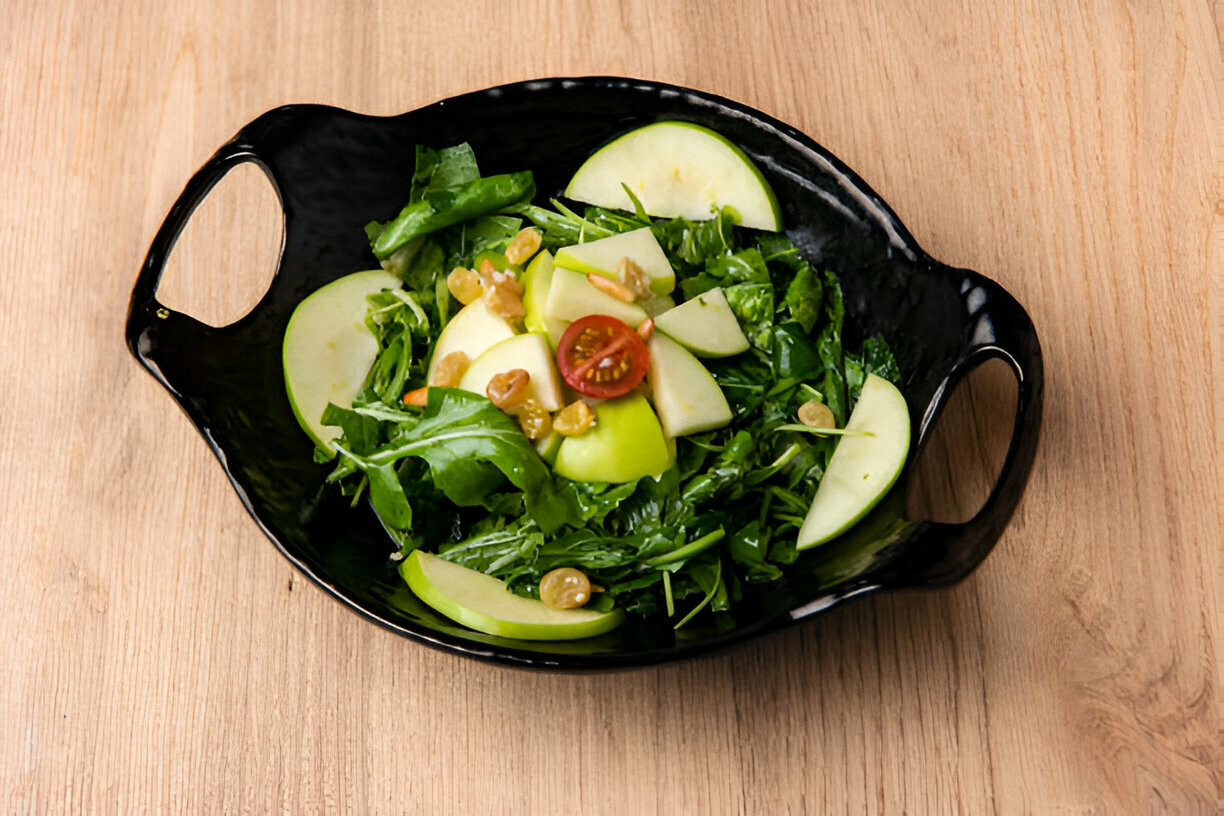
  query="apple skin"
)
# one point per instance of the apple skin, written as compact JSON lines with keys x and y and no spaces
{"x":530,"y":352}
{"x":537,"y":280}
{"x":677,"y":169}
{"x":862,"y":468}
{"x":601,"y":257}
{"x":328,"y":350}
{"x":472,"y":330}
{"x":626,"y":443}
{"x":483,"y":603}
{"x":705,"y":325}
{"x":549,"y":446}
{"x":686,"y":396}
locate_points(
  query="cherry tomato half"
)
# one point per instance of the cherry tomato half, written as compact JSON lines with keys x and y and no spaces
{"x":602,"y":357}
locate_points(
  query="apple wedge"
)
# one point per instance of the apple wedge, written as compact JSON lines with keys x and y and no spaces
{"x":602,"y":256}
{"x":537,"y":280}
{"x":626,"y":443}
{"x":572,"y":296}
{"x":549,"y":446}
{"x":328,"y":350}
{"x":686,"y":396}
{"x":705,"y":325}
{"x":483,"y":603}
{"x":473,"y":330}
{"x":530,"y":352}
{"x":677,"y":168}
{"x":862,"y":468}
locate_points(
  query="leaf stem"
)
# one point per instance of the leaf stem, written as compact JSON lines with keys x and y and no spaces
{"x":822,"y":431}
{"x":687,"y":550}
{"x":704,"y":601}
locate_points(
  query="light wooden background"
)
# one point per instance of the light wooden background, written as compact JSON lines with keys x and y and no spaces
{"x":158,"y":655}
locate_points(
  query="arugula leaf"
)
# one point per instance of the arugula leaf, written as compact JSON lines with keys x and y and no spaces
{"x":689,"y":245}
{"x":653,"y":503}
{"x":614,"y":222}
{"x":487,"y":233}
{"x":732,"y":463}
{"x":709,"y":578}
{"x":597,"y":553}
{"x":439,"y":169}
{"x":878,"y":359}
{"x":492,"y":552}
{"x":794,"y":354}
{"x":387,"y":494}
{"x":596,"y":500}
{"x":804,"y":296}
{"x":749,"y":547}
{"x":753,"y":305}
{"x":401,"y":327}
{"x":442,"y":207}
{"x":875,"y":358}
{"x":464,"y":439}
{"x":745,"y":266}
{"x":829,"y":347}
{"x":361,"y":433}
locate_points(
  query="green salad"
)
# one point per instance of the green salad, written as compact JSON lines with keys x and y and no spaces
{"x":631,"y":404}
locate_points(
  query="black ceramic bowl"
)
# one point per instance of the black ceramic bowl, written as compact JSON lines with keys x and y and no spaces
{"x":335,"y":171}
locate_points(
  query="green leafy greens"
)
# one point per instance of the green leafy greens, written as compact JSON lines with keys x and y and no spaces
{"x":459,"y":477}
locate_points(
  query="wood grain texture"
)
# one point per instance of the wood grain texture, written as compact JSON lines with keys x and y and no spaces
{"x":162,"y":657}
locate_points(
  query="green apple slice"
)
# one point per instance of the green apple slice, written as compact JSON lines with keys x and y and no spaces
{"x":677,"y":168}
{"x":686,"y":396}
{"x":602,"y":256}
{"x":537,"y":280}
{"x":572,"y":296}
{"x":483,"y":603}
{"x":626,"y":443}
{"x":328,"y":350}
{"x":549,"y":446}
{"x":862,"y":468}
{"x":530,"y":352}
{"x":473,"y":330}
{"x":705,"y":325}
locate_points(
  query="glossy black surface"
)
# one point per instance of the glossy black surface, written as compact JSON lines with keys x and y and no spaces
{"x":335,"y":171}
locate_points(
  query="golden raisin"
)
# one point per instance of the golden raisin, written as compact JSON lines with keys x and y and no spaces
{"x":450,"y":370}
{"x":503,"y":292}
{"x":535,"y":421}
{"x":504,"y":302}
{"x":608,"y":286}
{"x":565,"y":588}
{"x":464,"y":284}
{"x":574,"y":419}
{"x":492,"y":278}
{"x":524,"y":245}
{"x":816,"y":415}
{"x":630,"y":274}
{"x":507,"y":389}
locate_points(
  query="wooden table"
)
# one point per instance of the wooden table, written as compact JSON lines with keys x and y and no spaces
{"x":161,"y":656}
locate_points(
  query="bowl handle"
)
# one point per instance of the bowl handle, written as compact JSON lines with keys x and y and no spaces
{"x":144,"y":310}
{"x":999,"y":328}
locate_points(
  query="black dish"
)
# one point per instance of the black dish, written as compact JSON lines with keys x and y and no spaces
{"x":335,"y":171}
